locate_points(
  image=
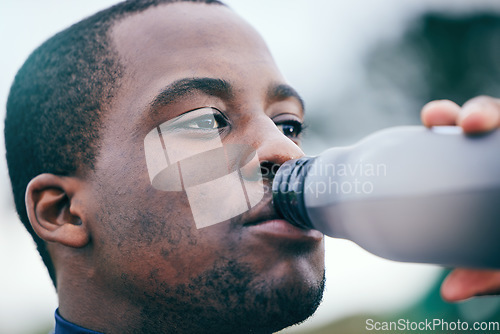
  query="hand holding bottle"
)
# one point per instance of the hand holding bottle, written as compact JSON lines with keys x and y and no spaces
{"x":481,"y":114}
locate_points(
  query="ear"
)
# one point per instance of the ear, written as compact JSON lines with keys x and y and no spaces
{"x":53,"y":212}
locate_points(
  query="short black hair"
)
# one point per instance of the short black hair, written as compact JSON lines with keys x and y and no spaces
{"x":57,"y":100}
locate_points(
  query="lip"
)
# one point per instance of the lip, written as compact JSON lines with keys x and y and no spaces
{"x":282,"y":229}
{"x":263,"y":221}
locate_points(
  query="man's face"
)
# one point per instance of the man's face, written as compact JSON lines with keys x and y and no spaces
{"x":252,"y":270}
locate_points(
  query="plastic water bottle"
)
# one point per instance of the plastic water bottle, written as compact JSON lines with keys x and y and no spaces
{"x":408,"y":194}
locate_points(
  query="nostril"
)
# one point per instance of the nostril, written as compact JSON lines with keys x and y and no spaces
{"x":268,"y":169}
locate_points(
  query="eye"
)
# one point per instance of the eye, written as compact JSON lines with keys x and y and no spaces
{"x":291,"y":128}
{"x":207,"y":122}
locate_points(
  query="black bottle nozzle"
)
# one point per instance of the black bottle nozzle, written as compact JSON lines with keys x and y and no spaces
{"x":288,"y":191}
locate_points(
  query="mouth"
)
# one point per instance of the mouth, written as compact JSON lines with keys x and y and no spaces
{"x":263,"y":221}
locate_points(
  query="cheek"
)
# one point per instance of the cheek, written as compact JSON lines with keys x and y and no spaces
{"x":154,"y":237}
{"x":155,"y":218}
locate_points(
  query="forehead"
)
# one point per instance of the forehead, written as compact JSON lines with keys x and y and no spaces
{"x":183,"y":40}
{"x":183,"y":26}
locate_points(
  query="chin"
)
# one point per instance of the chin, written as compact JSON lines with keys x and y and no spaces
{"x":233,"y":297}
{"x":281,"y":303}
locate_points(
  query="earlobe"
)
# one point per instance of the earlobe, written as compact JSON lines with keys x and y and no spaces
{"x":53,"y":212}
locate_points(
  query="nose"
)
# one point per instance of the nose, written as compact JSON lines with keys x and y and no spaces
{"x":273,"y":148}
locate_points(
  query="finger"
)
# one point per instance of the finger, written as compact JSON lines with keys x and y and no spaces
{"x":466,"y":283}
{"x":441,"y":112}
{"x":480,"y":114}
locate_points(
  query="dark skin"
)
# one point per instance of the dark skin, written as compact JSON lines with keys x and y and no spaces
{"x":129,"y":258}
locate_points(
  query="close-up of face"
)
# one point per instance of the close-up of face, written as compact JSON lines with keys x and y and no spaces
{"x":206,"y":166}
{"x":187,"y":62}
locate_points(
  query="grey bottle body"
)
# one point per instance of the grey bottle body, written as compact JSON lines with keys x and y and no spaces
{"x":410,"y":194}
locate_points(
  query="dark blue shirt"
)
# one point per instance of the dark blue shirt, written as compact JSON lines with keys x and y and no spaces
{"x":63,"y":326}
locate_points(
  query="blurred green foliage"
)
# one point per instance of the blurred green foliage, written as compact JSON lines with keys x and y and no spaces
{"x":430,"y":307}
{"x":440,"y":57}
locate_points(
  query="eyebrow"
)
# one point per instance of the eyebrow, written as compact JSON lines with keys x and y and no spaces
{"x":183,"y":87}
{"x":214,"y":87}
{"x":282,"y":92}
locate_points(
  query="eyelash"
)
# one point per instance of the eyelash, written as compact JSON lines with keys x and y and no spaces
{"x":219,"y":119}
{"x":299,"y":128}
{"x":294,"y":127}
{"x":222,"y":123}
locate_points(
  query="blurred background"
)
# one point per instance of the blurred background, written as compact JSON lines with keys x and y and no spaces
{"x":360,"y":65}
